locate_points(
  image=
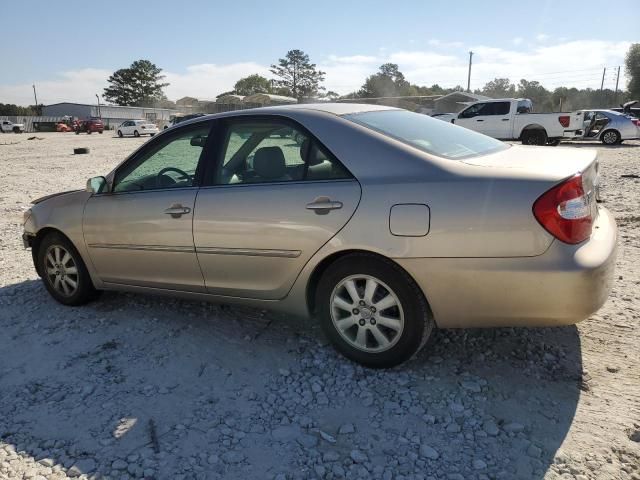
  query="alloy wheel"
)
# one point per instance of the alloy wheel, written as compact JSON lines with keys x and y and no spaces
{"x":610,"y":138}
{"x":366,"y":313}
{"x":62,"y":271}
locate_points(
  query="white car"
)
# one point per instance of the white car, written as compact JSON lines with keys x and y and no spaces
{"x":6,"y":126}
{"x":137,"y":128}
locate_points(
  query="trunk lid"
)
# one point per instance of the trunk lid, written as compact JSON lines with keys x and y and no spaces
{"x":538,"y":162}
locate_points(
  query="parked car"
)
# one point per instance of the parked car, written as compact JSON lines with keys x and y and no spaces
{"x":511,"y":119}
{"x":137,"y":128}
{"x":175,"y":119}
{"x":7,"y":127}
{"x":89,"y":126}
{"x":609,"y":127}
{"x":382,"y":223}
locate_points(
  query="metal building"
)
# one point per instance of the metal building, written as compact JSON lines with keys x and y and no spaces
{"x":112,"y":115}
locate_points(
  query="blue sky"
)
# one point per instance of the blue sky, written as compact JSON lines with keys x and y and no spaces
{"x":205,"y":46}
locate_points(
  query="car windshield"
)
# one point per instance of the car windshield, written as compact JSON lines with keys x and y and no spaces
{"x":428,"y":134}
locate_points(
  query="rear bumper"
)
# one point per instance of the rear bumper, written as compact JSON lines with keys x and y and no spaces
{"x":563,"y":286}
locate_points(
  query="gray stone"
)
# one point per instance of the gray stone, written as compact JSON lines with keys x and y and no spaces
{"x":233,"y":457}
{"x":119,"y":465}
{"x":330,"y":456}
{"x":285,"y":433}
{"x":490,"y":428}
{"x":514,"y":427}
{"x":358,"y":457}
{"x":346,"y":429}
{"x":429,"y":452}
{"x":307,"y":441}
{"x":86,"y":465}
{"x":479,"y":464}
{"x":534,"y":451}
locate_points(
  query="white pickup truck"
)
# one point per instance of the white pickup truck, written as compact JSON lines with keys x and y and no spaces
{"x":511,"y":119}
{"x":7,"y":127}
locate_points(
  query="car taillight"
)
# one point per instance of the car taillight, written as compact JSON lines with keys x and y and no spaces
{"x":565,"y":211}
{"x":564,"y":120}
{"x":636,"y":122}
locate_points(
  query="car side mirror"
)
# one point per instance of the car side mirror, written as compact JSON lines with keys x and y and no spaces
{"x":198,"y":141}
{"x":97,"y":185}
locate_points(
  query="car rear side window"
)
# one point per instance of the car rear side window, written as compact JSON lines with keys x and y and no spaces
{"x":428,"y":134}
{"x":265,"y":151}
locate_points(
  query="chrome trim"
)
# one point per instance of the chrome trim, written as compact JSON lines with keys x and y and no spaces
{"x":149,"y":248}
{"x":251,"y":252}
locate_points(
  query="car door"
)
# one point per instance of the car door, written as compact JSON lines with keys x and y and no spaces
{"x":477,"y":117}
{"x":275,"y":197}
{"x":140,"y":232}
{"x":498,"y":124}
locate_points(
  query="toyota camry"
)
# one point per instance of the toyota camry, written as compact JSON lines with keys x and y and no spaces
{"x":380,"y":223}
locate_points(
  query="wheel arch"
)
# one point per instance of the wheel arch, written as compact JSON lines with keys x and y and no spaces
{"x":322,"y":266}
{"x":37,"y":240}
{"x":532,"y":126}
{"x":611,"y":129}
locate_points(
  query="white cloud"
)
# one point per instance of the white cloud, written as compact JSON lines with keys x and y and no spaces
{"x":517,"y":41}
{"x":542,"y":37}
{"x":573,"y":63}
{"x":208,"y":80}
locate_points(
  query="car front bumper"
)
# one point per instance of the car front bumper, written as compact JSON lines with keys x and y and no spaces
{"x":564,"y":285}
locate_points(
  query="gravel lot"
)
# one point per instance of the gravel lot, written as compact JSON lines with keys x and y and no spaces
{"x":133,"y":386}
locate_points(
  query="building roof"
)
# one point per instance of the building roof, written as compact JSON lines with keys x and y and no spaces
{"x":264,"y":97}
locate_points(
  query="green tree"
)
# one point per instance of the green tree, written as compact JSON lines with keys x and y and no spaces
{"x":298,"y":75}
{"x":499,"y":88}
{"x":632,"y":68}
{"x":138,"y":85}
{"x":252,"y":84}
{"x":539,"y":95}
{"x":388,"y":82}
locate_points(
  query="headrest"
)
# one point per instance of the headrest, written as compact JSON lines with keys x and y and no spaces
{"x":312,"y":156}
{"x":268,"y":162}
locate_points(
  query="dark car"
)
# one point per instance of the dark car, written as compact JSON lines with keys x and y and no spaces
{"x":89,"y":126}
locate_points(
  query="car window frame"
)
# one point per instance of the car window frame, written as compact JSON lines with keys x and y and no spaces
{"x":178,"y":131}
{"x":216,"y":159}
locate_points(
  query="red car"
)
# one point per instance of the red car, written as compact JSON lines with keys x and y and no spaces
{"x":90,"y":125}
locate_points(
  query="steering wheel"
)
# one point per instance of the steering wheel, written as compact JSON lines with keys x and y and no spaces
{"x":183,"y":176}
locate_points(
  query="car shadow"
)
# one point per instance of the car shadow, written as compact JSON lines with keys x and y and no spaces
{"x":173,"y":387}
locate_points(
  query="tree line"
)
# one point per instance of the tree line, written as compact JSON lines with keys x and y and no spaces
{"x":142,"y":84}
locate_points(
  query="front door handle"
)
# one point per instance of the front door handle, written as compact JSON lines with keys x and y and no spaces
{"x":505,"y":119}
{"x":479,"y":120}
{"x":176,"y":210}
{"x":323,"y":205}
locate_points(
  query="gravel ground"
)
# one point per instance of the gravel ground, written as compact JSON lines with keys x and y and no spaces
{"x":133,"y":386}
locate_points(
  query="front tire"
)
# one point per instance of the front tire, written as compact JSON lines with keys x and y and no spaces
{"x":63,"y":272}
{"x":119,"y":133}
{"x":136,"y":133}
{"x":610,"y":137}
{"x":372,"y":310}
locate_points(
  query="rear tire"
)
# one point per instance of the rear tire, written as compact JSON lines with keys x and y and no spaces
{"x":63,"y":272}
{"x":534,"y":137}
{"x":388,"y":322}
{"x":610,"y":137}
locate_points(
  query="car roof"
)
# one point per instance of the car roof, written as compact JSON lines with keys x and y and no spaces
{"x":338,"y":109}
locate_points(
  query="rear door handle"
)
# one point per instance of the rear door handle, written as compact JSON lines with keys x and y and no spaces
{"x":505,"y":119}
{"x":479,"y":120}
{"x":176,"y":210}
{"x":323,"y":205}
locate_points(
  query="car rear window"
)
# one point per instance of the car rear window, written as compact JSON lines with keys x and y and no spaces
{"x":428,"y":134}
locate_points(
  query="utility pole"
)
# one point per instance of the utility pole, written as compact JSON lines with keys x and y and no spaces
{"x":98,"y":97}
{"x":602,"y":84}
{"x":34,"y":95}
{"x":469,"y":75}
{"x":615,"y":95}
